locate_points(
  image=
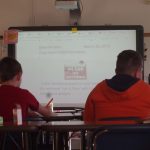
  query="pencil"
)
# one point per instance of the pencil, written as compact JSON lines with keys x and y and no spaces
{"x":49,"y":102}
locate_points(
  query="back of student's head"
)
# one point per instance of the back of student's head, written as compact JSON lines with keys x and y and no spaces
{"x":128,"y":61}
{"x":9,"y":67}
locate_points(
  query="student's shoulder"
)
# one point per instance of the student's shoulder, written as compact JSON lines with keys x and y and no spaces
{"x":22,"y":91}
{"x":101,"y":84}
{"x":143,"y":85}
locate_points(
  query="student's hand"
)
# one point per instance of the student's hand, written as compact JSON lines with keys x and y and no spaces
{"x":49,"y":107}
{"x":33,"y":113}
{"x":45,"y":111}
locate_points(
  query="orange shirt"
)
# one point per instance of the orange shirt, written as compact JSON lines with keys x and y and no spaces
{"x":104,"y":102}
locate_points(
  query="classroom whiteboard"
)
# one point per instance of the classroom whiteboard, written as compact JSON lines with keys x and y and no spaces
{"x":67,"y":64}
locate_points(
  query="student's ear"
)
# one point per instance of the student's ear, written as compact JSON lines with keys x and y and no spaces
{"x":18,"y":76}
{"x":138,"y":73}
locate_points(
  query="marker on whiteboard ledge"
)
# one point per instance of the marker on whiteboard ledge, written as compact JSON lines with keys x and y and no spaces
{"x":49,"y":102}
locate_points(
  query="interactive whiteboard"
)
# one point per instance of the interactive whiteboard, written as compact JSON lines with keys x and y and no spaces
{"x":65,"y":63}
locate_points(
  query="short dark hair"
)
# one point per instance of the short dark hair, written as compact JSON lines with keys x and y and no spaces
{"x":9,"y":67}
{"x":128,"y":61}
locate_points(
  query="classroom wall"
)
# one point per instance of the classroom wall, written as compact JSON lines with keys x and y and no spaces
{"x":95,"y":12}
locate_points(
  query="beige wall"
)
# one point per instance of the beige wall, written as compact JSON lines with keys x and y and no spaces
{"x":95,"y":12}
{"x":14,"y":13}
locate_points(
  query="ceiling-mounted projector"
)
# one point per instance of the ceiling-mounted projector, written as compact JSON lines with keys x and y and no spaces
{"x":66,"y":4}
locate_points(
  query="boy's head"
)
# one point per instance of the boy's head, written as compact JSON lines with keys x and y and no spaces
{"x":129,"y":62}
{"x":10,"y":69}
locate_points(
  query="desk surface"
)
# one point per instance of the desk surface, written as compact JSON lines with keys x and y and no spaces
{"x":58,"y":117}
{"x":75,"y":125}
{"x":61,"y":126}
{"x":72,"y":125}
{"x":25,"y":127}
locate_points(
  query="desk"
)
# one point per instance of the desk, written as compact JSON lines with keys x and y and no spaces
{"x":66,"y":126}
{"x":68,"y":117}
{"x":72,"y":110}
{"x":26,"y":127}
{"x":58,"y":117}
{"x":8,"y":128}
{"x":59,"y":127}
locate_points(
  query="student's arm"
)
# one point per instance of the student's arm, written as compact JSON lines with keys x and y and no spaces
{"x":45,"y":111}
{"x":34,"y":107}
{"x":88,"y":114}
{"x":42,"y":111}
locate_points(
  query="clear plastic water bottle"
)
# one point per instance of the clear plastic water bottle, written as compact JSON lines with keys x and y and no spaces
{"x":17,"y":115}
{"x":1,"y":120}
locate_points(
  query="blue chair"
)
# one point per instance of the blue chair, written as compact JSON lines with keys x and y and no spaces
{"x":121,"y":137}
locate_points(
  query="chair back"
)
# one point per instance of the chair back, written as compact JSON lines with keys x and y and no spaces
{"x":122,"y":137}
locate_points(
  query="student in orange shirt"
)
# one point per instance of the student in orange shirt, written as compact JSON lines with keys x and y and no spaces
{"x":124,"y":95}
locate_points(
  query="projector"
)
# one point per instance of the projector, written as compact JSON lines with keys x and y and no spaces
{"x":66,"y":4}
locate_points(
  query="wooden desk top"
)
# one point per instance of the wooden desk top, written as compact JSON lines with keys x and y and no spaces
{"x":61,"y":126}
{"x":58,"y":117}
{"x":66,"y":126}
{"x":9,"y":127}
{"x":33,"y":123}
{"x":50,"y":126}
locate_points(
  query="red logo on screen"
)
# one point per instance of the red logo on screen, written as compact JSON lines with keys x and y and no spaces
{"x":75,"y":72}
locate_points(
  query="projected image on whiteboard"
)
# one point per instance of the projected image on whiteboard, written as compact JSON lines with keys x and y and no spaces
{"x":66,"y":65}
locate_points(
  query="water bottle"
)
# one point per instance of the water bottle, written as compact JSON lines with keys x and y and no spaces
{"x":17,"y":115}
{"x":1,"y":120}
